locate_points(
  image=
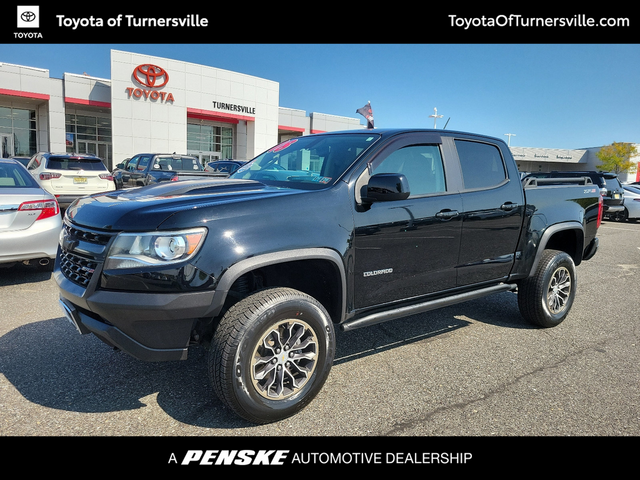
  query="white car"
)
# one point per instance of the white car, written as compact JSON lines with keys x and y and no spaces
{"x":30,"y":220}
{"x":631,"y":203}
{"x":70,"y":176}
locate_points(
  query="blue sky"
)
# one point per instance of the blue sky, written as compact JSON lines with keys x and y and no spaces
{"x":553,"y":96}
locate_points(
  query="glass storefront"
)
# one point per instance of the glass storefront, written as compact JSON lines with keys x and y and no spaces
{"x":17,"y":132}
{"x":209,"y":142}
{"x":89,"y":134}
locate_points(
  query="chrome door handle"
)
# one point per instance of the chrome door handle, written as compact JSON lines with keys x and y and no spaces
{"x":446,"y":214}
{"x":508,"y":206}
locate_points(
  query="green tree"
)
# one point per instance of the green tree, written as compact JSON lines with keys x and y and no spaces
{"x":617,"y":157}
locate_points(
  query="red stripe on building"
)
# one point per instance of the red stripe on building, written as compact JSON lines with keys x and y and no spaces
{"x":18,"y":93}
{"x":92,"y":103}
{"x":217,"y":116}
{"x":290,"y":129}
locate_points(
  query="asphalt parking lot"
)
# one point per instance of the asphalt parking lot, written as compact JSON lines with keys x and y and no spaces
{"x":476,"y":369}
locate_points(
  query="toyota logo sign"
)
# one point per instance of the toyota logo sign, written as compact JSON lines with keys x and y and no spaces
{"x":28,"y":16}
{"x":151,"y":76}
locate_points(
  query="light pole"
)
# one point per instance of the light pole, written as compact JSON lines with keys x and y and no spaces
{"x":435,"y":117}
{"x":510,"y":135}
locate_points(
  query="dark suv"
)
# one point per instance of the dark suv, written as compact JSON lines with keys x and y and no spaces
{"x":610,"y":187}
{"x":614,"y":196}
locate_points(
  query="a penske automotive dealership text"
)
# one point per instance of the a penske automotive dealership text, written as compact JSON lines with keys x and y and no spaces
{"x":285,"y":457}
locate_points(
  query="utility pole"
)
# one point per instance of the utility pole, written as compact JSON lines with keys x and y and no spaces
{"x":435,"y":117}
{"x":510,"y":135}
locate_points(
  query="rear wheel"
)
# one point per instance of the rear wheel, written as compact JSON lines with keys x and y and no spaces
{"x":546,"y":297}
{"x":271,"y":354}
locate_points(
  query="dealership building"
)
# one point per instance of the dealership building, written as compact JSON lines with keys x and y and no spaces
{"x":149,"y":104}
{"x":153,"y":104}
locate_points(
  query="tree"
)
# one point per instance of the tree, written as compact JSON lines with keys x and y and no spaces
{"x":617,"y":157}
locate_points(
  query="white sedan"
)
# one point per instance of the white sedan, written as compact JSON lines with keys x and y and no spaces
{"x":70,"y":176}
{"x":631,"y":203}
{"x":30,"y":220}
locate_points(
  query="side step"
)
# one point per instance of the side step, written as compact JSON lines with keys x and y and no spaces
{"x":393,"y":314}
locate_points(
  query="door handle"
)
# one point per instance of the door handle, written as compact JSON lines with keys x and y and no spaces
{"x":447,"y":214}
{"x":509,"y":206}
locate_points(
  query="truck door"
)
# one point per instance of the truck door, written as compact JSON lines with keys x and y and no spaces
{"x":492,"y":213}
{"x":407,"y":248}
{"x":138,"y":171}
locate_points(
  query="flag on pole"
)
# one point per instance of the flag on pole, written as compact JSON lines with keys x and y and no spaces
{"x":367,"y":113}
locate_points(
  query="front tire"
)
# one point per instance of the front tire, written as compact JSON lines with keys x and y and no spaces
{"x":271,"y":354}
{"x":546,"y":297}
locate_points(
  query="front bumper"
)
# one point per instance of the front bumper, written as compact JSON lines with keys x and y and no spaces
{"x":148,"y":326}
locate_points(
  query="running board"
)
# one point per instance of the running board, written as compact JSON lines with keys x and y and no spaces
{"x":385,"y":316}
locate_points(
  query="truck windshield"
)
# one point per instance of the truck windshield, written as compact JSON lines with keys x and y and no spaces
{"x":308,"y":162}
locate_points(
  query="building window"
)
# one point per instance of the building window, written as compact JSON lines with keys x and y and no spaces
{"x":18,"y":131}
{"x":210,"y":139}
{"x":89,"y":134}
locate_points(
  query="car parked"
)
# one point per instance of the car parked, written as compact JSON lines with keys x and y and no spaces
{"x":70,"y":176}
{"x":631,"y":204}
{"x":150,"y":168}
{"x":224,"y":166}
{"x":614,"y":195}
{"x":30,"y":220}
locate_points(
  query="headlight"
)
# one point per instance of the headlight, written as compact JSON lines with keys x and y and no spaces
{"x":131,"y":250}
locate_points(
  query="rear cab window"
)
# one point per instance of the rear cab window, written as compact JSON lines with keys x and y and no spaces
{"x":172,"y":163}
{"x":482,"y":165}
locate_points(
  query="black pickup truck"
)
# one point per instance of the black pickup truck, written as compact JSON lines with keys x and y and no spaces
{"x":150,"y":168}
{"x":343,"y":230}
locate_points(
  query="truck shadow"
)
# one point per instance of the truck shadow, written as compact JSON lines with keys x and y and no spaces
{"x":499,"y":310}
{"x":50,"y":365}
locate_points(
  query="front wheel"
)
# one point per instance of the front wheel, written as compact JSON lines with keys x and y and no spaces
{"x":271,"y":354}
{"x":546,"y":297}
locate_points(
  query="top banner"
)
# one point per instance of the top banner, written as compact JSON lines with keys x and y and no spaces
{"x":46,"y":23}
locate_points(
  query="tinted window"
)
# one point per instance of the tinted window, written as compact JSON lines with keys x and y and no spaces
{"x":421,"y":164}
{"x":482,"y":165}
{"x":188,"y":164}
{"x":70,"y":163}
{"x":15,"y":176}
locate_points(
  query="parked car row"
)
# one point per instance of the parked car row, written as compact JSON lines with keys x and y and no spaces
{"x":34,"y":190}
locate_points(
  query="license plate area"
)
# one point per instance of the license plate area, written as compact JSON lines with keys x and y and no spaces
{"x":80,"y":180}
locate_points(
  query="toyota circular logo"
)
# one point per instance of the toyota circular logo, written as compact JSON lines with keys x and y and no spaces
{"x":151,"y":76}
{"x":27,"y":16}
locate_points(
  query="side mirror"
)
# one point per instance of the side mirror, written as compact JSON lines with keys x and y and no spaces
{"x":386,"y":187}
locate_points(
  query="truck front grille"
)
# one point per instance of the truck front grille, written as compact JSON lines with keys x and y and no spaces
{"x":77,"y":269}
{"x":82,"y":252}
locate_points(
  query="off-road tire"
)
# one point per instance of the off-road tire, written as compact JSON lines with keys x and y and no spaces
{"x":545,"y":298}
{"x":250,"y":372}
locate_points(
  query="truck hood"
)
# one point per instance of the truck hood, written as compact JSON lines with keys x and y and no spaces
{"x":145,"y":208}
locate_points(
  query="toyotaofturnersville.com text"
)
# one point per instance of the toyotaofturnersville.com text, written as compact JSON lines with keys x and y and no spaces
{"x":285,"y":457}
